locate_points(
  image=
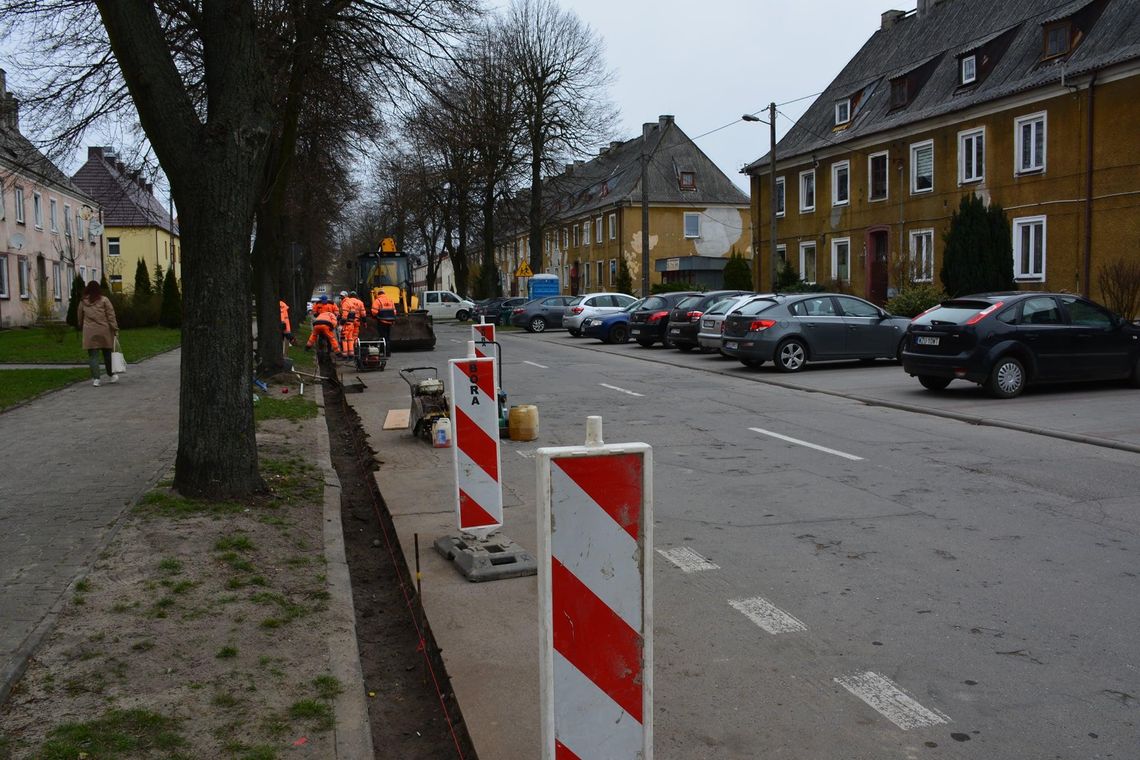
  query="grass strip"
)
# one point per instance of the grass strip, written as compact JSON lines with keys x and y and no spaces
{"x":18,"y":385}
{"x":42,"y":345}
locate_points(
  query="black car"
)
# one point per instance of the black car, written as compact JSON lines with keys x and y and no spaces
{"x":1005,"y":341}
{"x":488,"y":309}
{"x":503,"y":316}
{"x":647,"y":325}
{"x":685,"y":317}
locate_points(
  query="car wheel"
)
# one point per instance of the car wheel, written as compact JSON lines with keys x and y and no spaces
{"x":644,"y":342}
{"x":619,"y":334}
{"x":538,"y":324}
{"x":573,"y":333}
{"x":462,"y":315}
{"x":934,"y":383}
{"x":752,"y":363}
{"x":1007,"y":379}
{"x":791,"y":355}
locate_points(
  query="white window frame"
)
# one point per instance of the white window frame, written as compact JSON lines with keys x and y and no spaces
{"x":83,"y":274}
{"x":94,"y":273}
{"x":114,"y":247}
{"x":115,"y":280}
{"x":914,"y":149}
{"x":886,"y":155}
{"x":613,"y":226}
{"x":565,"y":239}
{"x":695,"y":216}
{"x":586,"y":276}
{"x":972,"y":142}
{"x":803,"y":261}
{"x":586,"y":232}
{"x":598,"y":229}
{"x":577,"y":234}
{"x":805,"y":209}
{"x":922,"y":261}
{"x":53,"y":214}
{"x":3,"y":203}
{"x":835,"y":169}
{"x":19,"y":201}
{"x":57,"y":280}
{"x":601,"y":274}
{"x":24,"y":276}
{"x":613,"y":272}
{"x":38,"y":210}
{"x":781,"y":254}
{"x":3,"y":275}
{"x":67,"y":220}
{"x":968,"y":70}
{"x":835,"y":243}
{"x":781,"y":197}
{"x":1018,"y":168}
{"x":1019,"y":274}
{"x":842,"y":111}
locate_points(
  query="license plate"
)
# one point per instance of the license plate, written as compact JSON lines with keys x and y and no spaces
{"x":675,"y":331}
{"x":926,"y":340}
{"x":635,"y":331}
{"x":708,"y":323}
{"x":730,"y":344}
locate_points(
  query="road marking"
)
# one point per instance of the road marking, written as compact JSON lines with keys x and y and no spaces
{"x":535,"y":364}
{"x":525,"y":453}
{"x":815,"y":446}
{"x":687,"y":559}
{"x":621,"y":390}
{"x":891,"y":701}
{"x":453,"y":340}
{"x":767,"y":615}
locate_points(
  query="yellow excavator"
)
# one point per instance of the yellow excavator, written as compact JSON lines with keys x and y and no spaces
{"x":387,"y":269}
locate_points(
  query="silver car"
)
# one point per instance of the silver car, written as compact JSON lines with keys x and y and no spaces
{"x":592,"y":305}
{"x":712,"y":321}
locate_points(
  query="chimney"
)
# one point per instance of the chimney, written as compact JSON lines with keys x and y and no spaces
{"x":569,"y":169}
{"x":665,"y":119}
{"x":150,"y":187}
{"x":925,"y":7}
{"x":615,"y":144}
{"x":890,"y":18}
{"x":580,"y":162}
{"x":119,"y":167}
{"x":9,"y":105}
{"x":94,"y":153}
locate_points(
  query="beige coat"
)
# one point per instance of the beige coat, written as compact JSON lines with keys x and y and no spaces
{"x":97,"y":320}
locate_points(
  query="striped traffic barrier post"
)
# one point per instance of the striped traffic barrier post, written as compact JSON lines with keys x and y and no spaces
{"x":595,"y":536}
{"x":477,"y":458}
{"x":483,"y":335}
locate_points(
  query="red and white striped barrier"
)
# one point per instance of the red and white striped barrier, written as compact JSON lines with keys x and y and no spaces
{"x":595,"y":527}
{"x":475,"y":427}
{"x":483,"y":335}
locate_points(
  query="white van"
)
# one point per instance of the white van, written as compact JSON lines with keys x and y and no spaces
{"x":443,"y":304}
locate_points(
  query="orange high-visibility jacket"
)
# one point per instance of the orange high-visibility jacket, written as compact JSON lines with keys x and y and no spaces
{"x":352,"y":308}
{"x":325,"y":317}
{"x":327,"y":306}
{"x":285,"y":315}
{"x":383,"y":308}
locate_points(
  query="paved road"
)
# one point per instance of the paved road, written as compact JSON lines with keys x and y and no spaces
{"x":71,"y":462}
{"x":936,"y":588}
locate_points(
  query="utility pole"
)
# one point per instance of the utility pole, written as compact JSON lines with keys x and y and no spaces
{"x":772,"y":186}
{"x":645,"y":210}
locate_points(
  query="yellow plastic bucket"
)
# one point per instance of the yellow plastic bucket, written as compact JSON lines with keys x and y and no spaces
{"x":522,"y":422}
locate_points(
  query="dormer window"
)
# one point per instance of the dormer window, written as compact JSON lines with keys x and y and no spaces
{"x":1058,"y":38}
{"x":842,"y":111}
{"x":969,"y":70}
{"x":900,"y":94}
{"x":687,"y":181}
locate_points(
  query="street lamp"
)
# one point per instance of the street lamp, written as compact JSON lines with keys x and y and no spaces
{"x":772,"y":203}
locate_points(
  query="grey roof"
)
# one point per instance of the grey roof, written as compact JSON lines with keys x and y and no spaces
{"x":944,"y":32}
{"x":126,"y":199}
{"x":17,"y":152}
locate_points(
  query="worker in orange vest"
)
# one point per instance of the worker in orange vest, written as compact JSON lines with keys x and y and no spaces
{"x":286,"y":328}
{"x":322,"y":305}
{"x":385,"y":313}
{"x":352,"y":313}
{"x":324,"y":325}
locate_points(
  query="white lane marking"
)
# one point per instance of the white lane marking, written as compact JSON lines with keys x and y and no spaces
{"x":891,"y":701}
{"x":687,"y":559}
{"x":525,"y":453}
{"x":453,"y":340}
{"x":535,"y":364}
{"x":767,"y":615}
{"x":815,"y":446}
{"x":621,"y":390}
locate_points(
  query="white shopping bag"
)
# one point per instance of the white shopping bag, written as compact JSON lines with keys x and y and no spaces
{"x":118,"y":361}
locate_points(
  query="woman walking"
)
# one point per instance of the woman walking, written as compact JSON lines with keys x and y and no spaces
{"x":100,"y":328}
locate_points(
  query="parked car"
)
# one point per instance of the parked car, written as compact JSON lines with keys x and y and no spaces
{"x":710,"y":335}
{"x":610,"y":328}
{"x":443,"y":304}
{"x":541,"y":313}
{"x":488,"y":308}
{"x":1005,"y":341}
{"x":685,"y":317}
{"x":647,"y":324}
{"x":506,"y":308}
{"x":793,"y":330}
{"x":591,"y":305}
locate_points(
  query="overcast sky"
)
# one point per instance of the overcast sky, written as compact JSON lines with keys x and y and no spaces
{"x":709,"y":62}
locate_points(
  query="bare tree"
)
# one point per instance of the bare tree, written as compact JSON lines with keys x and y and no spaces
{"x":561,"y":67}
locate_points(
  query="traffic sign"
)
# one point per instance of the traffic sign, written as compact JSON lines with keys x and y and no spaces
{"x":524,"y":270}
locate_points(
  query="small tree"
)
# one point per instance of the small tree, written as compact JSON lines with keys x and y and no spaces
{"x":1120,"y":286}
{"x":978,"y":256}
{"x":737,"y":273}
{"x":624,"y":283}
{"x":143,"y":288}
{"x":73,"y":304}
{"x":787,"y":279}
{"x":159,"y":280}
{"x":171,"y":313}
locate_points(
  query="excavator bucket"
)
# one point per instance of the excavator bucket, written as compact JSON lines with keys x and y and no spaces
{"x":413,"y":331}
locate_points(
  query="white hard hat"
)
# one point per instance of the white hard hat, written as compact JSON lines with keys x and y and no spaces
{"x":343,"y":293}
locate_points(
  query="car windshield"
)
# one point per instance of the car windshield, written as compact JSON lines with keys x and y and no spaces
{"x":575,"y":301}
{"x":634,"y":306}
{"x":951,"y":312}
{"x":755,"y":307}
{"x":686,"y":303}
{"x":655,"y":302}
{"x":723,"y":305}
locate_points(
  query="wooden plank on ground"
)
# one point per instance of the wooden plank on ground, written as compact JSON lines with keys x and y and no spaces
{"x":397,"y":419}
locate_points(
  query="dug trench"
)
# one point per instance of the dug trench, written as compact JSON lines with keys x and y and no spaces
{"x":412,"y":710}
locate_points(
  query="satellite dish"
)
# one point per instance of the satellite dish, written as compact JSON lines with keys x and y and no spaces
{"x":16,"y":241}
{"x":96,"y":228}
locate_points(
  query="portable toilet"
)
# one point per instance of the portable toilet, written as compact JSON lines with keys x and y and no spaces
{"x":542,"y":285}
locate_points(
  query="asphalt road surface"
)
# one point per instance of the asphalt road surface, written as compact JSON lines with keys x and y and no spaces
{"x":841,"y":580}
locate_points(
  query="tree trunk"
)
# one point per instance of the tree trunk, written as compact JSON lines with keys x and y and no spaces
{"x":536,"y":219}
{"x":267,"y":292}
{"x":459,"y":261}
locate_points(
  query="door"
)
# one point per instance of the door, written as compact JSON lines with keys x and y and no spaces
{"x":878,"y":264}
{"x":821,"y":325}
{"x":1043,"y":329}
{"x":868,"y":334}
{"x":1099,"y":345}
{"x":431,"y":303}
{"x":448,"y":304}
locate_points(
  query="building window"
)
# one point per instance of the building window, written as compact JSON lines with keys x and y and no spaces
{"x":692,"y":224}
{"x":840,"y":183}
{"x":83,"y":274}
{"x":807,"y":191}
{"x":38,"y":210}
{"x":116,"y":283}
{"x":22,"y":275}
{"x":878,"y":177}
{"x":1030,"y":143}
{"x":613,"y":226}
{"x":19,"y":199}
{"x":922,"y":167}
{"x":1029,"y":248}
{"x":95,"y":273}
{"x":52,"y":215}
{"x":112,"y":246}
{"x":972,"y":156}
{"x":585,"y":233}
{"x":577,"y":235}
{"x":807,"y":262}
{"x":969,"y":70}
{"x":780,"y":196}
{"x":688,"y":181}
{"x":586,"y":277}
{"x":899,"y":93}
{"x":613,"y":272}
{"x":601,"y":273}
{"x":781,"y":256}
{"x":67,"y":220}
{"x":1057,"y":39}
{"x":3,"y":275}
{"x":842,"y":111}
{"x":922,"y":255}
{"x":57,"y":280}
{"x":565,"y":238}
{"x":3,"y":205}
{"x":841,"y":259}
{"x":598,"y":230}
